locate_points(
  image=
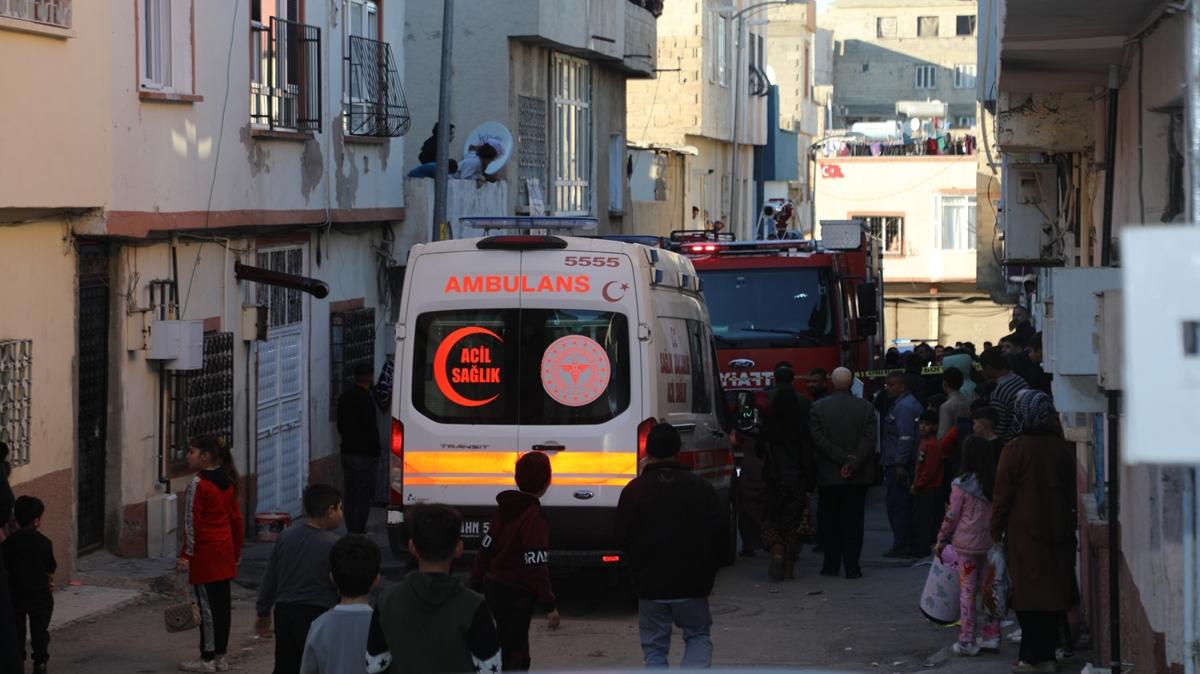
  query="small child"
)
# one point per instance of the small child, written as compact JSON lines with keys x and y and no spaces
{"x":929,"y":503}
{"x":297,"y":581}
{"x":966,"y":528}
{"x":212,"y":546}
{"x":512,"y":565}
{"x":337,"y":640}
{"x":430,"y":621}
{"x":29,"y":557}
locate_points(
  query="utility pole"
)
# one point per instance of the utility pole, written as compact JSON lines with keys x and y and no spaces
{"x":441,"y":228}
{"x":739,"y":18}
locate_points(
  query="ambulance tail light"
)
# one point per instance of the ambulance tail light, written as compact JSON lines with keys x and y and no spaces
{"x":396,"y":469}
{"x":643,"y":432}
{"x":611,"y":559}
{"x":521,"y":242}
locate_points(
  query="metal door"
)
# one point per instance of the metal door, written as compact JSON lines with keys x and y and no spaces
{"x":92,"y":405}
{"x":282,"y":420}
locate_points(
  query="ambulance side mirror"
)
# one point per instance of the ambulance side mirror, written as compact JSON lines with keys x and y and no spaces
{"x":868,"y":302}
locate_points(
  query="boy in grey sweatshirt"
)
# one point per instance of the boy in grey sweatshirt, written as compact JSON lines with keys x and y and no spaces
{"x":337,"y":641}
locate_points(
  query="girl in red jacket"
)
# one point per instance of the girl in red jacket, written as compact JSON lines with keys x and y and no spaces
{"x":212,"y":546}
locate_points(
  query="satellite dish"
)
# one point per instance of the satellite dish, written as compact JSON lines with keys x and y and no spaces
{"x":914,"y":124}
{"x":771,"y":77}
{"x":496,"y":135}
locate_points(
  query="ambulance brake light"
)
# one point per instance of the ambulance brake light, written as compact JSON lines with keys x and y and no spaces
{"x":611,"y":559}
{"x":643,"y":434}
{"x":521,"y":242}
{"x":396,"y":469}
{"x":397,"y":439}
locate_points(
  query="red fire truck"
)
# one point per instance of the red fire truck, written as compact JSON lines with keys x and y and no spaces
{"x":808,"y":303}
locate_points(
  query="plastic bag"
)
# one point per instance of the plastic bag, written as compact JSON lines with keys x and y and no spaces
{"x":997,"y":586}
{"x":939,"y":600}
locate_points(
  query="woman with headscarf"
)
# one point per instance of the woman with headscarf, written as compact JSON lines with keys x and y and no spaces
{"x":1034,"y":513}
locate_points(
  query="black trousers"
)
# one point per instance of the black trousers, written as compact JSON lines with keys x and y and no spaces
{"x":928,"y":510}
{"x":359,"y":483}
{"x":216,"y":609}
{"x":840,"y":514}
{"x":1039,"y":635}
{"x":36,"y":610}
{"x":292,"y":622}
{"x":9,"y":663}
{"x":512,"y":609}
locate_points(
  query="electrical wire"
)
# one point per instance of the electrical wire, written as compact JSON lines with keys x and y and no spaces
{"x":217,"y":156}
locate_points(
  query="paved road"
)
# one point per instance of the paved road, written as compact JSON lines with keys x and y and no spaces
{"x":867,"y":625}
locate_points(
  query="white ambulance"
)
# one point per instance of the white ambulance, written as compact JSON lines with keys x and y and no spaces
{"x":570,"y":346}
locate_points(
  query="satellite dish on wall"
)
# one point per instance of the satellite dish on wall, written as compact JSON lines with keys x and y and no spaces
{"x":914,"y":124}
{"x":496,"y":135}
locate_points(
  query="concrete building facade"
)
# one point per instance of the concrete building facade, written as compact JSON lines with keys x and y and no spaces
{"x":554,"y":74}
{"x":792,"y":55}
{"x":1048,"y":76}
{"x":690,"y":106}
{"x":888,"y":51}
{"x":217,"y":137}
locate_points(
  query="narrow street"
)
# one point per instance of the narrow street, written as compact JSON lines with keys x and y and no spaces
{"x":868,"y":625}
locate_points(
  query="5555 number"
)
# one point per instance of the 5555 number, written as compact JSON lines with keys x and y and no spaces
{"x":582,"y":261}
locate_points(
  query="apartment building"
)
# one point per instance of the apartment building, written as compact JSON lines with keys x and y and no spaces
{"x":554,"y":74}
{"x":688,"y":110}
{"x":793,"y":52}
{"x":200,"y":229}
{"x":904,"y":73}
{"x":1061,"y":82}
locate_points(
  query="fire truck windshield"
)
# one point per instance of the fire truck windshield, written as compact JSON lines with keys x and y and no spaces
{"x":762,"y":308}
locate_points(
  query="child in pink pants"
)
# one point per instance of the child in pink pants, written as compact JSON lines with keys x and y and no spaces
{"x":966,"y":528}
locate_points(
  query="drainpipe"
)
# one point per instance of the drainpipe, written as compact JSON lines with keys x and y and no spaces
{"x":1114,"y":534}
{"x":1188,"y":504}
{"x":1110,"y":159}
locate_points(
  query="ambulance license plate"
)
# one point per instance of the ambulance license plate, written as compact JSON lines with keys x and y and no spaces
{"x":474,"y":528}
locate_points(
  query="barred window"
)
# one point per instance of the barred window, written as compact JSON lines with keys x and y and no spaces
{"x":351,"y":343}
{"x":50,"y":12}
{"x":572,"y":151}
{"x":16,"y":384}
{"x":202,"y":401}
{"x":283,"y":304}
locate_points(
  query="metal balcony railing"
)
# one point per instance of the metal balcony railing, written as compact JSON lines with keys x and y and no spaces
{"x":50,"y":12}
{"x":285,"y":85}
{"x":375,"y":104}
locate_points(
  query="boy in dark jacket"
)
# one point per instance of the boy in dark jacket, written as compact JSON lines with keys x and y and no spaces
{"x":512,"y":565}
{"x":29,"y":557}
{"x":929,"y":504}
{"x":672,"y":529}
{"x":431,"y":622}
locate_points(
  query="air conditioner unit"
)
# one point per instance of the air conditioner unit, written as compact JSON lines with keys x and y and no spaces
{"x":1030,"y":216}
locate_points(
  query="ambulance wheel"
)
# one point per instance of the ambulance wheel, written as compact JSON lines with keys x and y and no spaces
{"x":729,"y":554}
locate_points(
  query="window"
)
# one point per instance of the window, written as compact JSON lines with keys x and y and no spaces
{"x":964,"y":122}
{"x":927,"y":26}
{"x":202,"y":401}
{"x":285,"y":68}
{"x":885,"y":26}
{"x":284,"y":305}
{"x":572,"y":151}
{"x":722,"y":49}
{"x":16,"y":402}
{"x":701,"y":378}
{"x":513,"y":344}
{"x":156,"y":44}
{"x":926,"y":77}
{"x":964,"y":76}
{"x":50,"y":12}
{"x":374,"y":103}
{"x":965,"y":25}
{"x":957,"y":229}
{"x":888,"y":229}
{"x":351,"y":343}
{"x":769,"y":307}
{"x":866,"y":67}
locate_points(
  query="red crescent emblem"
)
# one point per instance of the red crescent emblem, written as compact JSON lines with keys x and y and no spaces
{"x":575,"y":370}
{"x":607,"y":286}
{"x":443,"y":355}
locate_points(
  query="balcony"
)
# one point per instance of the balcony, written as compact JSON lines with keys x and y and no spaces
{"x":55,"y":13}
{"x":285,"y":80}
{"x":375,"y":104}
{"x":836,"y":145}
{"x":620,"y":32}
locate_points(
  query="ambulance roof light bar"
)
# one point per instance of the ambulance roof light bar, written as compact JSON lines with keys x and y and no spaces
{"x":749,"y":247}
{"x":530,"y":222}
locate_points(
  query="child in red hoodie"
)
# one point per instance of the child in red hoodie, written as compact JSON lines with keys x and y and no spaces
{"x":212,"y":546}
{"x":929,"y":503}
{"x":512,"y":565}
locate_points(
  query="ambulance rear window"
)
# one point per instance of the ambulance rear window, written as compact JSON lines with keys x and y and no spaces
{"x":514,"y":366}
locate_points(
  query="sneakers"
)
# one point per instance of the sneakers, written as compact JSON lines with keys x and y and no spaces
{"x":1063,"y":654}
{"x":199,"y":666}
{"x":992,"y":644}
{"x":1022,"y":667}
{"x":222,"y":664}
{"x":969,"y":650}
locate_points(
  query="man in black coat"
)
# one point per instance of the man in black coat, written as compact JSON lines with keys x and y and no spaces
{"x":672,"y":529}
{"x":359,"y":428}
{"x":785,"y":444}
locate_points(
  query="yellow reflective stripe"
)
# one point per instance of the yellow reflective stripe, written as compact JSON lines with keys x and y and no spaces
{"x":504,"y":463}
{"x":459,"y":480}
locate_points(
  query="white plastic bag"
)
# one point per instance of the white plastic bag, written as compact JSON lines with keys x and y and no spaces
{"x":939,"y":600}
{"x":996,"y":584}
